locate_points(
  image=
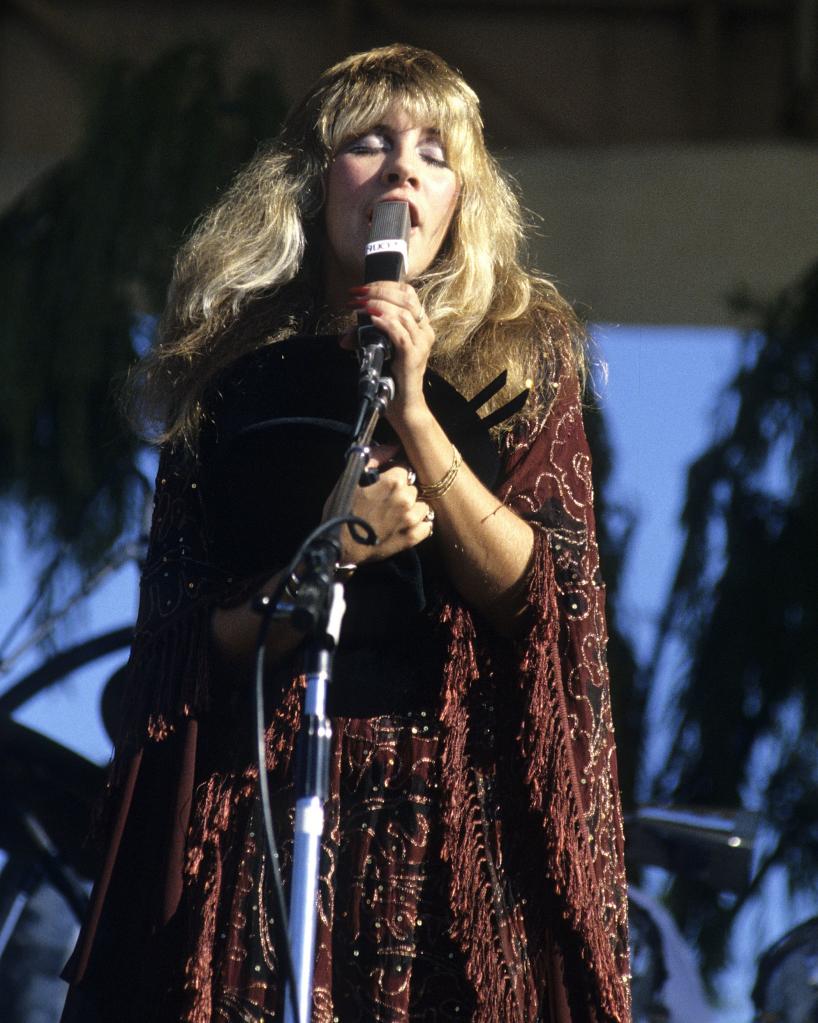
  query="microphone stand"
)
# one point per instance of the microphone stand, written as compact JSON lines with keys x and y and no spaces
{"x":319,"y":608}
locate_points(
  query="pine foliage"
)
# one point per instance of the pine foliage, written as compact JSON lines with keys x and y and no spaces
{"x":744,"y":608}
{"x":88,"y":252}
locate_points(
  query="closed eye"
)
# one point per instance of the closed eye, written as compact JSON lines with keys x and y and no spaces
{"x":434,"y":153}
{"x":372,"y":142}
{"x":430,"y":148}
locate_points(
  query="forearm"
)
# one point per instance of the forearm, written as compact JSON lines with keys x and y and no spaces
{"x":486,"y":548}
{"x":234,"y":631}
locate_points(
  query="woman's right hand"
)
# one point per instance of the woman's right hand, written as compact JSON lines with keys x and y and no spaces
{"x":391,"y":506}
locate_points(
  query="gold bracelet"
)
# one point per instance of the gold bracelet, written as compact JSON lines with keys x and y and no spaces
{"x":435,"y":490}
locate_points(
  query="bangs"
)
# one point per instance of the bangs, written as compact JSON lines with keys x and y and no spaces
{"x":363,"y":101}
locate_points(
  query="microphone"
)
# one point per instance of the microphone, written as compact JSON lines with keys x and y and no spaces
{"x":385,"y":259}
{"x":387,"y":251}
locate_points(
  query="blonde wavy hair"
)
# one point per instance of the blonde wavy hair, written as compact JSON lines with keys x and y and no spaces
{"x":250,"y":272}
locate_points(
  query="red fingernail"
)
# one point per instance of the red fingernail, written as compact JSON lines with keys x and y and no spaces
{"x":371,"y":310}
{"x":362,"y":290}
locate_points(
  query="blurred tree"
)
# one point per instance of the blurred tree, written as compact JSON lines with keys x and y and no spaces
{"x":744,"y":609}
{"x":88,"y":251}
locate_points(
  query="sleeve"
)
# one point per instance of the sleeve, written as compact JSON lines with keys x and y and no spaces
{"x":144,"y":813}
{"x":552,"y":719}
{"x":549,"y":483}
{"x":170,"y":667}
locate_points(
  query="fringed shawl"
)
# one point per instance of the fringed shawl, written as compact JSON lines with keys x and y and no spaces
{"x":552,"y":701}
{"x":525,"y":723}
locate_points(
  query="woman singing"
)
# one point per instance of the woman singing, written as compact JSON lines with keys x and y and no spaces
{"x":472,"y":859}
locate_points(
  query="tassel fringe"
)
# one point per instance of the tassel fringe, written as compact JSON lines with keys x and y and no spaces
{"x":552,"y":785}
{"x":218,"y":800}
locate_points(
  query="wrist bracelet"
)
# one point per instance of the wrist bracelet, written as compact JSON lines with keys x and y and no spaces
{"x":344,"y":572}
{"x":432,"y":491}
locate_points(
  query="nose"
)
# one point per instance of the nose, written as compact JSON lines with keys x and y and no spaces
{"x":401,"y":166}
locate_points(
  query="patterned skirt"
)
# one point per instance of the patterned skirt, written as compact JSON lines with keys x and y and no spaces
{"x":383,"y":951}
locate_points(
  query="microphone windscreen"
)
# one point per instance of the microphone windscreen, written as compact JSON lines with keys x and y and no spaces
{"x":387,"y":251}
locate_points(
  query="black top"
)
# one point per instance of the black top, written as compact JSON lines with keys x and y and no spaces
{"x":280,"y":420}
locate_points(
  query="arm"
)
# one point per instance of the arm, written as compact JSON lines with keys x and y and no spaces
{"x":390,"y":505}
{"x":486,"y":547}
{"x":234,"y":630}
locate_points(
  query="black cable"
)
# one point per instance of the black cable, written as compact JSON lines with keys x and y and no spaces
{"x":282,"y":915}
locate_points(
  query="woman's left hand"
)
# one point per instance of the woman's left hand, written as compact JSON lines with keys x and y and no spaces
{"x":396,"y":310}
